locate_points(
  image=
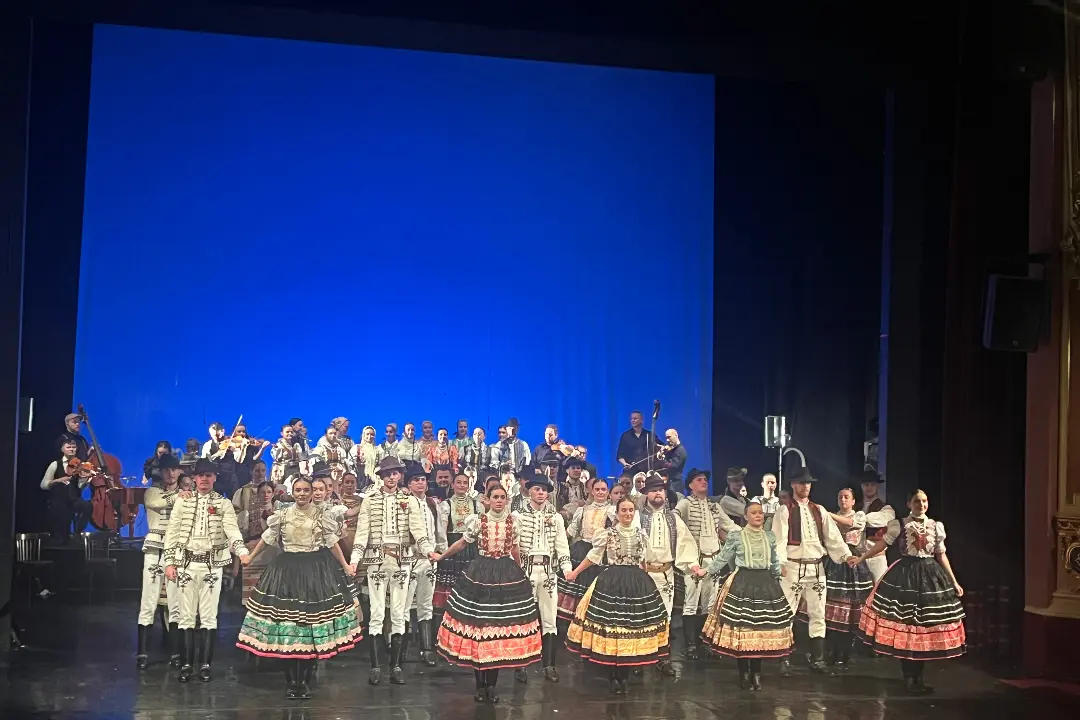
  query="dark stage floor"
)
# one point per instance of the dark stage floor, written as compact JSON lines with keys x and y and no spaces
{"x":80,"y":664}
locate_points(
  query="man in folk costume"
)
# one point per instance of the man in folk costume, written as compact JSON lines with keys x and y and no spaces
{"x":422,"y":579}
{"x":544,"y":551}
{"x":804,"y":532}
{"x":159,"y":501}
{"x":732,"y":502}
{"x":670,"y":547}
{"x":878,"y":515}
{"x":201,"y":535}
{"x":706,"y":521}
{"x":387,"y":536}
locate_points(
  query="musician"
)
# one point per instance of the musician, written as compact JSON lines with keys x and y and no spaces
{"x":583,"y":453}
{"x":201,"y":534}
{"x":159,"y":501}
{"x":407,"y":449}
{"x":72,"y":425}
{"x":191,"y":454}
{"x":65,"y":484}
{"x":636,"y":444}
{"x":673,"y":457}
{"x":235,"y":459}
{"x":551,"y":440}
{"x":301,"y":436}
{"x":150,"y":467}
{"x":461,"y":440}
{"x":333,"y":452}
{"x":511,"y":448}
{"x":217,"y":437}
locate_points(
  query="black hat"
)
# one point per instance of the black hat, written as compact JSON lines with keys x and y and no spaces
{"x":696,"y":472}
{"x":538,"y":481}
{"x":653,"y":481}
{"x":319,"y":469}
{"x":168,"y":461}
{"x":550,"y":459}
{"x":736,"y":473}
{"x":801,"y":475}
{"x":869,"y":476}
{"x":203,"y":466}
{"x":414,"y":470}
{"x":388,"y":464}
{"x":505,"y":468}
{"x":572,"y":462}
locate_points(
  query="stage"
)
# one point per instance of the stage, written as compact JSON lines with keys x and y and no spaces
{"x":80,"y":663}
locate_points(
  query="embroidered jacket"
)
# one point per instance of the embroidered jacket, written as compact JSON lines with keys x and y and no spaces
{"x":212,"y":514}
{"x":159,"y":505}
{"x":618,"y":546}
{"x":703,"y":518}
{"x":455,"y":511}
{"x":543,"y":532}
{"x":407,"y":530}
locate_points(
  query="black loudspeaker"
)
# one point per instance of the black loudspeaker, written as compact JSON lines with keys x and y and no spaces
{"x":1016,"y":311}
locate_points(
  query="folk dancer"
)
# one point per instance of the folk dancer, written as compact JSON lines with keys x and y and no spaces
{"x":335,"y":454}
{"x":459,"y":507}
{"x":477,"y":456}
{"x":462,"y":441}
{"x":544,"y":551}
{"x":670,"y":547}
{"x":252,"y":521}
{"x":298,"y":611}
{"x":441,"y":452}
{"x":407,"y":449}
{"x":706,"y":521}
{"x":750,"y":618}
{"x":870,"y":484}
{"x":587,"y":523}
{"x":366,"y":458}
{"x":621,"y":622}
{"x":733,"y":501}
{"x":511,"y":449}
{"x":201,"y":534}
{"x":158,"y":501}
{"x":390,"y":442}
{"x":386,"y":534}
{"x":287,"y":454}
{"x":573,"y":493}
{"x":424,"y":571}
{"x":768,"y":499}
{"x":914,"y":612}
{"x":491,"y":620}
{"x":805,"y":532}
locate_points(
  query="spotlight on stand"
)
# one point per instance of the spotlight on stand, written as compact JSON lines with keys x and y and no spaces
{"x":776,"y":436}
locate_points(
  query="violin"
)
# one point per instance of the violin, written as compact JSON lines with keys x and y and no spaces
{"x":566,"y":449}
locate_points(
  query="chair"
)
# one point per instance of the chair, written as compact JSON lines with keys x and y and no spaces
{"x":28,"y":560}
{"x":96,"y":558}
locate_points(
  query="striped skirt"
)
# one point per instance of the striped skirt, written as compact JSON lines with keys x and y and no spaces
{"x":449,"y":570}
{"x":570,"y":593}
{"x":846,"y":590}
{"x":621,"y":620}
{"x":491,"y":621}
{"x":914,"y":613}
{"x":751,"y":617}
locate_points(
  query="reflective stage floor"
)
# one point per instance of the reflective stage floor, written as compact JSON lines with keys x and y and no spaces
{"x":79,"y":663}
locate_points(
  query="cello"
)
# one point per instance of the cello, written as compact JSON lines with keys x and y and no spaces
{"x":105,"y":476}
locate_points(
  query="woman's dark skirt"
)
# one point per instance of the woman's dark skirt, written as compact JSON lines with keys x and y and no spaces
{"x":449,"y":570}
{"x":621,"y":620}
{"x":570,"y":593}
{"x":491,"y":621}
{"x":301,"y":608}
{"x":751,"y":618}
{"x":914,"y":613}
{"x":846,"y":590}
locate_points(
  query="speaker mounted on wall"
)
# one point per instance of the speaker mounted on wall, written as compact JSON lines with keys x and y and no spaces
{"x":1016,"y":313}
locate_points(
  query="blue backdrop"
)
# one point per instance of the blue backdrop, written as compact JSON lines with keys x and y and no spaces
{"x":281,"y":228}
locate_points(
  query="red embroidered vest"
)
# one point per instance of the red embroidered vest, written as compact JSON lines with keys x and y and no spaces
{"x":794,"y":531}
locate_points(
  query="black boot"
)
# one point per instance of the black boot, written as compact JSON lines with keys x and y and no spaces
{"x":843,"y":651}
{"x":909,"y":677}
{"x":209,"y":644}
{"x":666,"y":668}
{"x":397,"y":676}
{"x":374,"y":641}
{"x":409,"y":628}
{"x":817,"y":657}
{"x":744,"y":673}
{"x":290,"y":678}
{"x":920,"y":686}
{"x":481,"y":694}
{"x":690,"y":636}
{"x":140,"y":657}
{"x":162,"y":614}
{"x":491,"y":679}
{"x":177,"y":651}
{"x":427,"y":649}
{"x":548,"y":644}
{"x":785,"y":668}
{"x":305,"y":672}
{"x":188,"y":668}
{"x":522,"y":675}
{"x":755,"y":675}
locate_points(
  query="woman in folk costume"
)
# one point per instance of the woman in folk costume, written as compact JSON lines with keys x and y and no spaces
{"x":298,"y":611}
{"x":368,"y":456}
{"x":751,"y":618}
{"x":491,"y":621}
{"x":914,"y":613}
{"x":588,"y":521}
{"x":253,"y":522}
{"x":621,"y":621}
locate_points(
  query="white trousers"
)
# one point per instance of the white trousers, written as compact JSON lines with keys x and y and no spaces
{"x":877,"y":565}
{"x":665,"y":584}
{"x":152,"y":578}
{"x":806,"y":583}
{"x":388,"y":584}
{"x":421,"y":589}
{"x":200,"y":593}
{"x":546,"y":591}
{"x":700,"y":592}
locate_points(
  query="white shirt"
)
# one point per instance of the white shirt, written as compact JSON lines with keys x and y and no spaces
{"x":811,"y":546}
{"x":200,"y":531}
{"x":389,"y":518}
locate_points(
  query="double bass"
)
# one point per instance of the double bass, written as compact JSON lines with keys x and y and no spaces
{"x":105,"y":475}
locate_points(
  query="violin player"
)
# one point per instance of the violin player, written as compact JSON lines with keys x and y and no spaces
{"x":64,"y":480}
{"x":672,"y":455}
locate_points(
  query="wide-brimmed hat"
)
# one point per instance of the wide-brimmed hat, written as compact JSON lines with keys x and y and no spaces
{"x":203,"y":466}
{"x":697,"y":472}
{"x":389,"y":464}
{"x":801,"y":475}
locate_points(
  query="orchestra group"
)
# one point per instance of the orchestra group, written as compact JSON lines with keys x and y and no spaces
{"x":497,"y":556}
